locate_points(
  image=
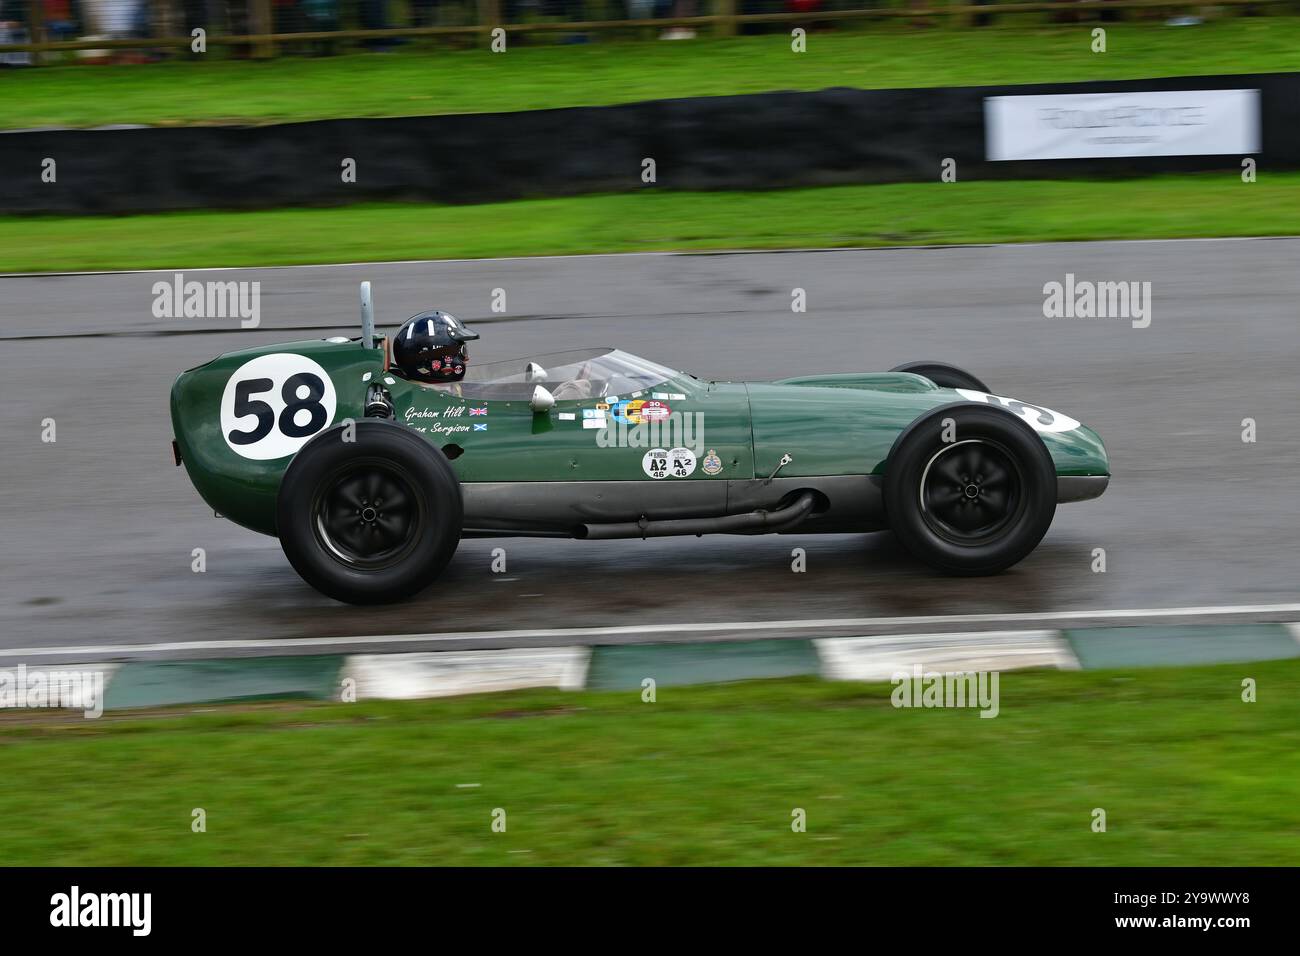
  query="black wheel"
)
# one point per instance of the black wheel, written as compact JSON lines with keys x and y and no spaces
{"x":372,"y":520}
{"x":945,"y":376}
{"x":976,"y":503}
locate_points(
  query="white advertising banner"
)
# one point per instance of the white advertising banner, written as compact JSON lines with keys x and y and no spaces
{"x":1104,"y":125}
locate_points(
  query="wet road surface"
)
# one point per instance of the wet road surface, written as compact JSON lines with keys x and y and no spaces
{"x":99,"y":527}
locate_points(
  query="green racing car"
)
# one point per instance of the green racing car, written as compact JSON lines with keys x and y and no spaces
{"x":371,"y":457}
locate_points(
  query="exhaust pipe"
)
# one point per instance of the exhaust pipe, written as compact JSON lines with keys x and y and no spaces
{"x":753,"y":522}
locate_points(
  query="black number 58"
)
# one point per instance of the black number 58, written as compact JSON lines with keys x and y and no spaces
{"x":246,"y":405}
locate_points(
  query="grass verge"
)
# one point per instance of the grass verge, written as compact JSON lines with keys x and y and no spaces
{"x":1187,"y":773}
{"x":426,"y":79}
{"x":1162,"y":207}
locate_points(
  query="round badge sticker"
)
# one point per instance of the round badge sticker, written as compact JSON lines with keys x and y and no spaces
{"x":681,"y":462}
{"x":274,"y":404}
{"x":627,"y":412}
{"x":655,"y":463}
{"x":1039,"y":418}
{"x":653,"y":411}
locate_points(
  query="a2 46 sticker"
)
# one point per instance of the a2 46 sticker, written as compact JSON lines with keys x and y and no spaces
{"x":274,"y":404}
{"x":663,"y":463}
{"x":1040,"y":419}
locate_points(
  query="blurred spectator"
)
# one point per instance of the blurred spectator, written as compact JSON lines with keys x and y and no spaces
{"x":195,"y":14}
{"x":138,"y":18}
{"x":424,"y":13}
{"x":320,"y":16}
{"x":62,"y":19}
{"x":286,"y":16}
{"x":13,"y":29}
{"x":571,"y":10}
{"x":680,"y":8}
{"x":374,"y":16}
{"x":568,"y":9}
{"x":239,"y":22}
{"x":760,"y":6}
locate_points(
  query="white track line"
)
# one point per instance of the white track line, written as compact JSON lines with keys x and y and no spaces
{"x":568,"y":634}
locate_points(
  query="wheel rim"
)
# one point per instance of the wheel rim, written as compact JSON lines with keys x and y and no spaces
{"x":368,"y":515}
{"x":971,"y":491}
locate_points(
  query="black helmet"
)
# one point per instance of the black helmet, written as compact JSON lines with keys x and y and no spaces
{"x":430,"y":347}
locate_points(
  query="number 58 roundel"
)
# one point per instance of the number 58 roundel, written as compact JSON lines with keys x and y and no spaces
{"x":274,"y":404}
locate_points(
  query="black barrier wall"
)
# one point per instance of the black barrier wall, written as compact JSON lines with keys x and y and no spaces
{"x":762,"y":141}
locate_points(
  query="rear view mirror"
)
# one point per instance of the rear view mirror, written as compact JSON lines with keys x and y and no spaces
{"x":534,"y":373}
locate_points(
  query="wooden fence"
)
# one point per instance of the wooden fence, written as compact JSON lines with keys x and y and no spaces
{"x":723,"y":22}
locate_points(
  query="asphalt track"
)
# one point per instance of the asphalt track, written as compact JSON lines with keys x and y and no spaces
{"x":98,"y":527}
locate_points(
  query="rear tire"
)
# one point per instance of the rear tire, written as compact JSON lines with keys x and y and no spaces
{"x":369,"y":521}
{"x":976,"y":504}
{"x":943,"y":375}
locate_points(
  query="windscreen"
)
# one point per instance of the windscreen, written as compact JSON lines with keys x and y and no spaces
{"x":573,"y":375}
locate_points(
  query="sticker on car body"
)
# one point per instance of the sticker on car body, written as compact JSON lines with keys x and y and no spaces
{"x":274,"y":404}
{"x":1039,"y":418}
{"x":661,"y":463}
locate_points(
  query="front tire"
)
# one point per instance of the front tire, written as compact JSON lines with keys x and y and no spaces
{"x":976,"y":504}
{"x":944,"y":375}
{"x":372,"y":520}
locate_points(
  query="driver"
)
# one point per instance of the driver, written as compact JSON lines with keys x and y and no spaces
{"x":430,"y":349}
{"x":579,"y":388}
